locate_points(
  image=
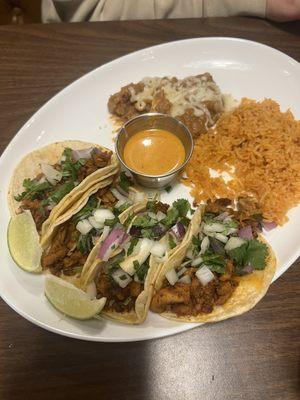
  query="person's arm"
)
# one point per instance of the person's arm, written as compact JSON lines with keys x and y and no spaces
{"x":283,"y":10}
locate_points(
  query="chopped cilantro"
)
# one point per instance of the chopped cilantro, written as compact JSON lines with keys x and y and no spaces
{"x":87,"y":210}
{"x":69,"y":166}
{"x":111,"y":222}
{"x":151,"y":206}
{"x":123,"y":277}
{"x":144,"y":221}
{"x":168,"y":189}
{"x":136,"y":265}
{"x":124,"y":182}
{"x":132,"y":245}
{"x":171,"y":218}
{"x":113,"y":267}
{"x":33,"y":189}
{"x":147,"y":233}
{"x":215,"y":262}
{"x":85,"y":243}
{"x":142,"y":270}
{"x":172,"y":242}
{"x":252,"y":253}
{"x":196,"y":243}
{"x":183,"y":206}
{"x":62,"y":191}
{"x":127,"y":301}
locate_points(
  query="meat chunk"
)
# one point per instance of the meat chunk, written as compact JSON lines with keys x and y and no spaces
{"x":170,"y":295}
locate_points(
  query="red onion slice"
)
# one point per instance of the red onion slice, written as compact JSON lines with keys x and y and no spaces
{"x":268,"y":226}
{"x":246,"y":232}
{"x":110,"y":243}
{"x":178,"y":230}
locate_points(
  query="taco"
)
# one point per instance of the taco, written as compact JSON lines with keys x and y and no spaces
{"x":71,"y":243}
{"x":131,"y":256}
{"x":222,"y":270}
{"x":50,"y":180}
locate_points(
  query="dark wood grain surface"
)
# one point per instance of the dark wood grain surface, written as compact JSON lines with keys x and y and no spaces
{"x":255,"y":356}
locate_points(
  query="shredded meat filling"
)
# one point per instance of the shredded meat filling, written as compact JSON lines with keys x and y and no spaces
{"x":119,"y":299}
{"x":63,"y":255}
{"x":98,"y":160}
{"x":193,"y":299}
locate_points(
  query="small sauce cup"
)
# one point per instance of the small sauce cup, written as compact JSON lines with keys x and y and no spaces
{"x":154,"y":121}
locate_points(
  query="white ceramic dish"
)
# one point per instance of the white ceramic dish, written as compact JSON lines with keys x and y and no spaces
{"x":240,"y":67}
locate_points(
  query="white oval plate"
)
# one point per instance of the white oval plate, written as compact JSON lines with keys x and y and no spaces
{"x":240,"y":67}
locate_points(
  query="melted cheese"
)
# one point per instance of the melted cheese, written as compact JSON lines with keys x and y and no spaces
{"x":185,"y":93}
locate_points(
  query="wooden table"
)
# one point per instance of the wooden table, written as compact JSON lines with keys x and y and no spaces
{"x":255,"y":356}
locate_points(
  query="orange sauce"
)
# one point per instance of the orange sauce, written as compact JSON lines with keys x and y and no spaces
{"x":154,"y":152}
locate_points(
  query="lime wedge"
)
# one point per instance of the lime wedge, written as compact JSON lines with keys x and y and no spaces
{"x":70,"y":300}
{"x":23,"y":242}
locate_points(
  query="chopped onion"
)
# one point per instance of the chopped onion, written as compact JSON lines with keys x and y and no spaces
{"x":159,"y":249}
{"x":105,"y":232}
{"x":214,"y":227}
{"x":103,"y":214}
{"x":120,"y":203}
{"x":172,"y":276}
{"x":136,"y":196}
{"x":181,"y":271}
{"x":221,"y":237}
{"x":230,"y":231}
{"x":91,"y":290}
{"x":222,"y":216}
{"x":110,"y":243}
{"x":197,"y":261}
{"x":246,"y":232}
{"x":84,"y":153}
{"x":189,"y":254}
{"x":84,"y":226}
{"x":160,"y":215}
{"x":52,"y":175}
{"x":178,"y":230}
{"x":128,"y":263}
{"x":185,"y":279}
{"x":268,"y":225}
{"x":94,"y":223}
{"x":121,"y":278}
{"x":118,"y":195}
{"x":152,"y":215}
{"x":204,"y":245}
{"x":125,"y":238}
{"x":184,"y":264}
{"x":204,"y":275}
{"x":233,"y":243}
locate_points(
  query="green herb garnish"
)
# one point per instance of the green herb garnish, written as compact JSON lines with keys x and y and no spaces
{"x":252,"y":253}
{"x":168,"y":189}
{"x":144,"y":221}
{"x":132,"y":245}
{"x":87,"y":210}
{"x":142,"y":270}
{"x":62,"y":191}
{"x":124,"y":182}
{"x":172,"y":242}
{"x":33,"y":189}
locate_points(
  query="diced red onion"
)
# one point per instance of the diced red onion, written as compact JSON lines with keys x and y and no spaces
{"x":246,"y":232}
{"x":178,"y":230}
{"x":110,"y":243}
{"x":248,"y":269}
{"x":217,"y":246}
{"x":268,"y":225}
{"x":135,"y":231}
{"x":158,"y":230}
{"x":84,"y":153}
{"x":125,"y":238}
